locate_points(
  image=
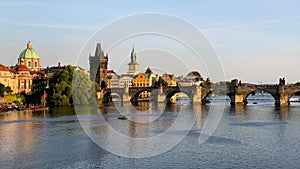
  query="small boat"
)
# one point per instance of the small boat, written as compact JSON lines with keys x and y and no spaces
{"x":40,"y":108}
{"x":122,"y":118}
{"x":254,"y":102}
{"x":294,"y":100}
{"x":3,"y":110}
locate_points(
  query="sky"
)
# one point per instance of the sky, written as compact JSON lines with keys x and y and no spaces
{"x":257,"y":41}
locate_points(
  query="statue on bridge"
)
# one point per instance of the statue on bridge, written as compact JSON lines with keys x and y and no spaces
{"x":281,"y":81}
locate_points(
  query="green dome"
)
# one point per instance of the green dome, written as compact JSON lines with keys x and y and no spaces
{"x":29,"y":53}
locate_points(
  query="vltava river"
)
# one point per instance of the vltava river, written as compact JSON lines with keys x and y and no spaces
{"x":253,"y":136}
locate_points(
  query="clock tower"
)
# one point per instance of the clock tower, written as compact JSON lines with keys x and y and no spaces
{"x":133,"y":66}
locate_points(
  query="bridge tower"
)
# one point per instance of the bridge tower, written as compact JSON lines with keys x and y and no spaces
{"x":98,"y":67}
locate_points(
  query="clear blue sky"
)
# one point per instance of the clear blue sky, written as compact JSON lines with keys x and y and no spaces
{"x":256,"y":40}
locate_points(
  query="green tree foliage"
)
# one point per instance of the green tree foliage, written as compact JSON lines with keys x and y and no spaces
{"x":71,"y":86}
{"x":162,"y":82}
{"x":60,"y":87}
{"x":84,"y":90}
{"x":14,"y":98}
{"x":4,"y":90}
{"x":8,"y":90}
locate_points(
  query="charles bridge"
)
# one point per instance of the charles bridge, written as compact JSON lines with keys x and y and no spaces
{"x":237,"y":93}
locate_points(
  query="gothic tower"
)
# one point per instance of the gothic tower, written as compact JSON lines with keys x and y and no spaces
{"x":133,"y":66}
{"x":98,"y":67}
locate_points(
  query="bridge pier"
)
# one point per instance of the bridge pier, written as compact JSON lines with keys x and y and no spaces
{"x":161,"y":97}
{"x":239,"y":99}
{"x":126,"y":97}
{"x":284,"y":96}
{"x":197,"y":95}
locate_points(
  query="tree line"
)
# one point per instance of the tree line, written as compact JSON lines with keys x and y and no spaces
{"x":71,"y":86}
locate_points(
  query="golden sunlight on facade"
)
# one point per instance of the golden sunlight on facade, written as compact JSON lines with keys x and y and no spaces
{"x":19,"y":77}
{"x":140,"y":80}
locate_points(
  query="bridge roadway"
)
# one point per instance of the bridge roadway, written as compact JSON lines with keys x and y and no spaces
{"x":238,"y":94}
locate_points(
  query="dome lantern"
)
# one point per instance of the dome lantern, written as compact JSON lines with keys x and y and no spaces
{"x":29,"y":45}
{"x":29,"y":53}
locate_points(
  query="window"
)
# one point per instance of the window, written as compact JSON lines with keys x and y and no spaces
{"x":29,"y":64}
{"x":35,"y":64}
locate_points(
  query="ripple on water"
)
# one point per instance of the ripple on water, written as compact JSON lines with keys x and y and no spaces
{"x":259,"y":124}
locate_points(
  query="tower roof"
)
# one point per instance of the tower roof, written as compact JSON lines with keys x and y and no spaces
{"x":29,"y":53}
{"x":148,"y":71}
{"x":99,"y":52}
{"x":4,"y":68}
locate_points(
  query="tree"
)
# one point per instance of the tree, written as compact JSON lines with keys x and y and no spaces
{"x":60,"y":87}
{"x":14,"y":97}
{"x":8,"y":90}
{"x":2,"y":89}
{"x":71,"y":86}
{"x":162,"y":82}
{"x":84,"y":90}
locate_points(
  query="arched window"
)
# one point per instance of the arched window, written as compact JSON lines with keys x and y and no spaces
{"x":29,"y":64}
{"x":35,"y":64}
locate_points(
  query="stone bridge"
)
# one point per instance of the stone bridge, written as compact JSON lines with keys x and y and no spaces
{"x":162,"y":94}
{"x":238,"y":94}
{"x":280,"y":93}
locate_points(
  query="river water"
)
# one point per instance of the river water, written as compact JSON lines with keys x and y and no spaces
{"x":258,"y":135}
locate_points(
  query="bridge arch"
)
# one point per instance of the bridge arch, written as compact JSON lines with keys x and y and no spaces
{"x":291,"y":95}
{"x":170,"y":94}
{"x":107,"y":95}
{"x":256,"y":90}
{"x":222,"y":91}
{"x":135,"y":95}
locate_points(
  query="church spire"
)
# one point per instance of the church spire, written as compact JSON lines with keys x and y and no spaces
{"x":98,"y":50}
{"x":133,"y":56}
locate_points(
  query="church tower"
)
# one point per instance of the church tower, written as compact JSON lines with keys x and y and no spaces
{"x":133,"y":66}
{"x":30,"y":58}
{"x":98,"y":67}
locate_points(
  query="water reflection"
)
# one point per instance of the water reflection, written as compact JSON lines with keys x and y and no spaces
{"x":17,"y":134}
{"x":54,"y":139}
{"x":238,"y":109}
{"x":283,"y":112}
{"x":146,"y":119}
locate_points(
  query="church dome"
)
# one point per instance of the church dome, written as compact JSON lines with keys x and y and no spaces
{"x":28,"y":53}
{"x":194,"y":73}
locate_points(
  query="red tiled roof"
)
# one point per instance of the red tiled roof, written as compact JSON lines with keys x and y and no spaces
{"x":4,"y":68}
{"x":110,"y":71}
{"x":22,"y":68}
